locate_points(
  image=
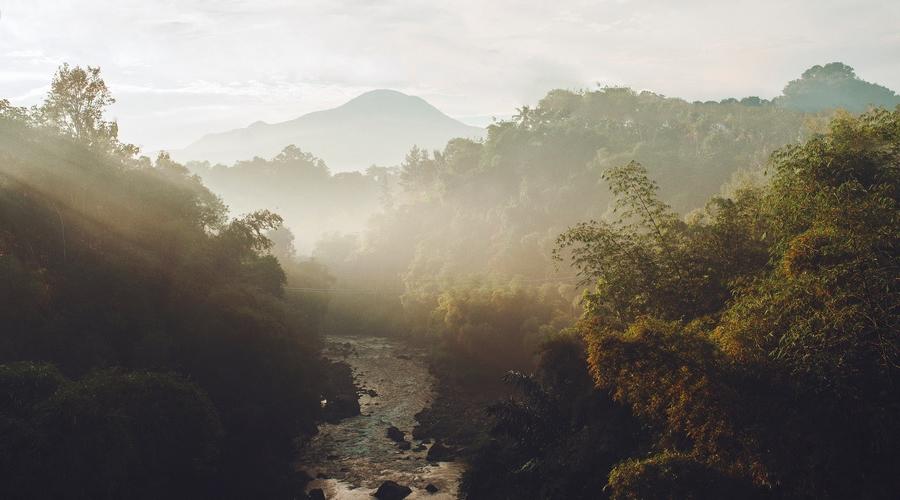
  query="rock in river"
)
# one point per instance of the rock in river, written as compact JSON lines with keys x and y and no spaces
{"x":439,"y":453}
{"x":390,"y":490}
{"x":395,"y":434}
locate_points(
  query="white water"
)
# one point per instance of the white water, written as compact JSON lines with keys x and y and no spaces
{"x":355,"y":454}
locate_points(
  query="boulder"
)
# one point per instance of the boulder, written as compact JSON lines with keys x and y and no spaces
{"x":395,"y":434}
{"x":404,"y":445}
{"x":431,"y":488}
{"x":390,"y":490}
{"x":316,"y":494}
{"x":439,"y":453}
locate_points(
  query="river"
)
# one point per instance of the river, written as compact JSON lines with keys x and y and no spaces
{"x":354,"y":456}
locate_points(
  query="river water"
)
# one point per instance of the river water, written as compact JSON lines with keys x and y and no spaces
{"x":354,"y":455}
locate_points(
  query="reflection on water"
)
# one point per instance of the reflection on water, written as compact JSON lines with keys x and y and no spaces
{"x":355,"y":455}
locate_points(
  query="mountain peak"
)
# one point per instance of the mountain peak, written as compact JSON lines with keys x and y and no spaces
{"x":380,"y":94}
{"x":376,"y":127}
{"x":387,"y":99}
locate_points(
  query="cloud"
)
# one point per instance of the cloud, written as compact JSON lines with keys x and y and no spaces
{"x":228,"y":63}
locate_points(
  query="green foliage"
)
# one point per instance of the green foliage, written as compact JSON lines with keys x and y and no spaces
{"x":649,"y":262}
{"x":75,"y":105}
{"x":109,"y":435}
{"x":835,"y":204}
{"x":313,"y":201}
{"x":676,"y":380}
{"x":803,"y":351}
{"x":750,"y":348}
{"x":23,"y":385}
{"x":494,"y":209}
{"x":135,"y":435}
{"x":556,"y":436}
{"x":495,"y":328}
{"x":672,"y":476}
{"x":111,"y":261}
{"x":497,"y":209}
{"x":834,"y":85}
{"x":755,"y":341}
{"x":302,"y":275}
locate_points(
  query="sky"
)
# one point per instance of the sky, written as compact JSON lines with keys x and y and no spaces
{"x":181,"y":69}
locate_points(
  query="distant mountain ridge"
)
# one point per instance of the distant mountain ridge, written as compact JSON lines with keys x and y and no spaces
{"x":377,"y":127}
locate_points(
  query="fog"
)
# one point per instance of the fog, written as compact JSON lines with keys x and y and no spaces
{"x":256,"y":253}
{"x":185,"y":69}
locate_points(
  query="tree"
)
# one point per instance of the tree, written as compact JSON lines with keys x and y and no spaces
{"x":75,"y":105}
{"x":111,"y":434}
{"x":784,"y":381}
{"x":148,"y":279}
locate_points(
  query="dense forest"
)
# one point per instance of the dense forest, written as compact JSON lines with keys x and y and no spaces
{"x":148,"y":349}
{"x":695,"y":299}
{"x":624,"y":295}
{"x":748,"y":351}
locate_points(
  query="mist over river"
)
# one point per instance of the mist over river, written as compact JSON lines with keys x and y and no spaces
{"x":354,"y":456}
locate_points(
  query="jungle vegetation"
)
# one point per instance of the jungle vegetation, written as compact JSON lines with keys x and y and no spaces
{"x":147,"y":349}
{"x":675,"y":299}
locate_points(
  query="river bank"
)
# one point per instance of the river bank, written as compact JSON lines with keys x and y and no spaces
{"x":458,"y":415}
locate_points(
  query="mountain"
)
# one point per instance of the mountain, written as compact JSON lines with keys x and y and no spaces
{"x":377,"y":127}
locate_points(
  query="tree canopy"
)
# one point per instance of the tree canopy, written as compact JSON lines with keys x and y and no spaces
{"x":835,"y":85}
{"x":755,"y":343}
{"x":147,"y":350}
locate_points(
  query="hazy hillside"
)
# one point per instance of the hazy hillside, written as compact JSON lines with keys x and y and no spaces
{"x":378,"y":127}
{"x":835,"y":85}
{"x":614,"y":295}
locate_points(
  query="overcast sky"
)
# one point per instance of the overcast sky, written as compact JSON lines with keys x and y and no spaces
{"x":180,"y":69}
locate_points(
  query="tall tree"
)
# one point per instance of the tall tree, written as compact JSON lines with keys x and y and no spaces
{"x":75,"y":105}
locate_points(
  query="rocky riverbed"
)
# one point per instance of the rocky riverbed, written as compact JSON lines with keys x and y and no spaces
{"x":353,"y":457}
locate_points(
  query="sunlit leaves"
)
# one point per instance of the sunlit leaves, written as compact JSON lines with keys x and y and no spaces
{"x":75,"y":105}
